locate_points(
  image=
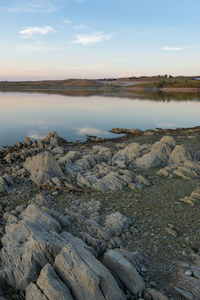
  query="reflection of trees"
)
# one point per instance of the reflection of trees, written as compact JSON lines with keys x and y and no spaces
{"x":141,"y":95}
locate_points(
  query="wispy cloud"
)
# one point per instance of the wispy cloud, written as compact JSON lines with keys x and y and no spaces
{"x":79,"y":27}
{"x":31,"y":31}
{"x":38,"y":47}
{"x":172,"y":48}
{"x":88,"y":39}
{"x":67,"y":21}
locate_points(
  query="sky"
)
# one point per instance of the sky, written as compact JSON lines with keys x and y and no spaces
{"x":60,"y":39}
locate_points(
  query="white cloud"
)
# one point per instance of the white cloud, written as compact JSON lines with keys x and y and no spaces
{"x":172,"y":48}
{"x":88,"y":39}
{"x":30,"y":31}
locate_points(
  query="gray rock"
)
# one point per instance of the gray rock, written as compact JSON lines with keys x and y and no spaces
{"x":156,"y":295}
{"x":34,"y":293}
{"x":86,"y":277}
{"x":40,"y":217}
{"x":28,"y":246}
{"x":3,"y":186}
{"x":180,"y":155}
{"x":117,"y":222}
{"x":52,"y":138}
{"x":9,"y":219}
{"x":51,"y":285}
{"x":27,"y":141}
{"x":169,"y":140}
{"x":124,"y":270}
{"x":42,"y":167}
{"x":57,"y":150}
{"x":149,"y":160}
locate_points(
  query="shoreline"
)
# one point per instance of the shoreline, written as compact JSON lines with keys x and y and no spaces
{"x":148,"y":177}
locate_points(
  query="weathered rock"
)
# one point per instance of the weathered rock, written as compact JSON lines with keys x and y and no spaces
{"x":117,"y":222}
{"x":127,"y":131}
{"x":180,"y":155}
{"x":124,"y":270}
{"x":3,"y":186}
{"x":27,"y":141}
{"x":51,"y":285}
{"x":86,"y":277}
{"x":42,"y":167}
{"x":188,"y":283}
{"x":28,"y":246}
{"x":52,"y":138}
{"x":155,"y":294}
{"x":169,"y":140}
{"x":149,"y":160}
{"x":57,"y":150}
{"x":40,"y":217}
{"x":140,"y":179}
{"x":158,"y":156}
{"x":130,"y":152}
{"x":34,"y":293}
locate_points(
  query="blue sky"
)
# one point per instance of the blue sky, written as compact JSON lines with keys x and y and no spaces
{"x":57,"y":39}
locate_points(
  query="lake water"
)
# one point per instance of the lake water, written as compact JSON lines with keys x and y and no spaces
{"x":35,"y":114}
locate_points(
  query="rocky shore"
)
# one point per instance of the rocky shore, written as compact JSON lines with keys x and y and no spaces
{"x":102,"y":219}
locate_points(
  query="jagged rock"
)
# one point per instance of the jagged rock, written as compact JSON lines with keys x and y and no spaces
{"x":158,"y":156}
{"x":63,"y":220}
{"x":130,"y":152}
{"x":3,"y":186}
{"x":27,"y":141}
{"x":149,"y":160}
{"x":42,"y":167}
{"x":51,"y":285}
{"x":124,"y":270}
{"x":38,"y":216}
{"x":8,"y":158}
{"x":110,"y":182}
{"x":86,"y":277}
{"x":8,"y":179}
{"x":117,"y":222}
{"x":9,"y":219}
{"x":28,"y":246}
{"x":57,"y":150}
{"x":34,"y":293}
{"x":169,"y":140}
{"x":97,"y":231}
{"x":180,"y":155}
{"x":52,"y":138}
{"x":140,"y":179}
{"x":188,"y":283}
{"x":85,"y":163}
{"x":105,"y":153}
{"x":126,"y":131}
{"x":98,"y":244}
{"x":155,"y":295}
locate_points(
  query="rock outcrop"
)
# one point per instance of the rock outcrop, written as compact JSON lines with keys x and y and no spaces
{"x":38,"y":257}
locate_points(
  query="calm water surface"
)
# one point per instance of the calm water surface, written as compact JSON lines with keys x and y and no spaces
{"x":35,"y":114}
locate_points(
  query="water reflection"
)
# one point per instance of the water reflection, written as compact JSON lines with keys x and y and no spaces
{"x":35,"y":114}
